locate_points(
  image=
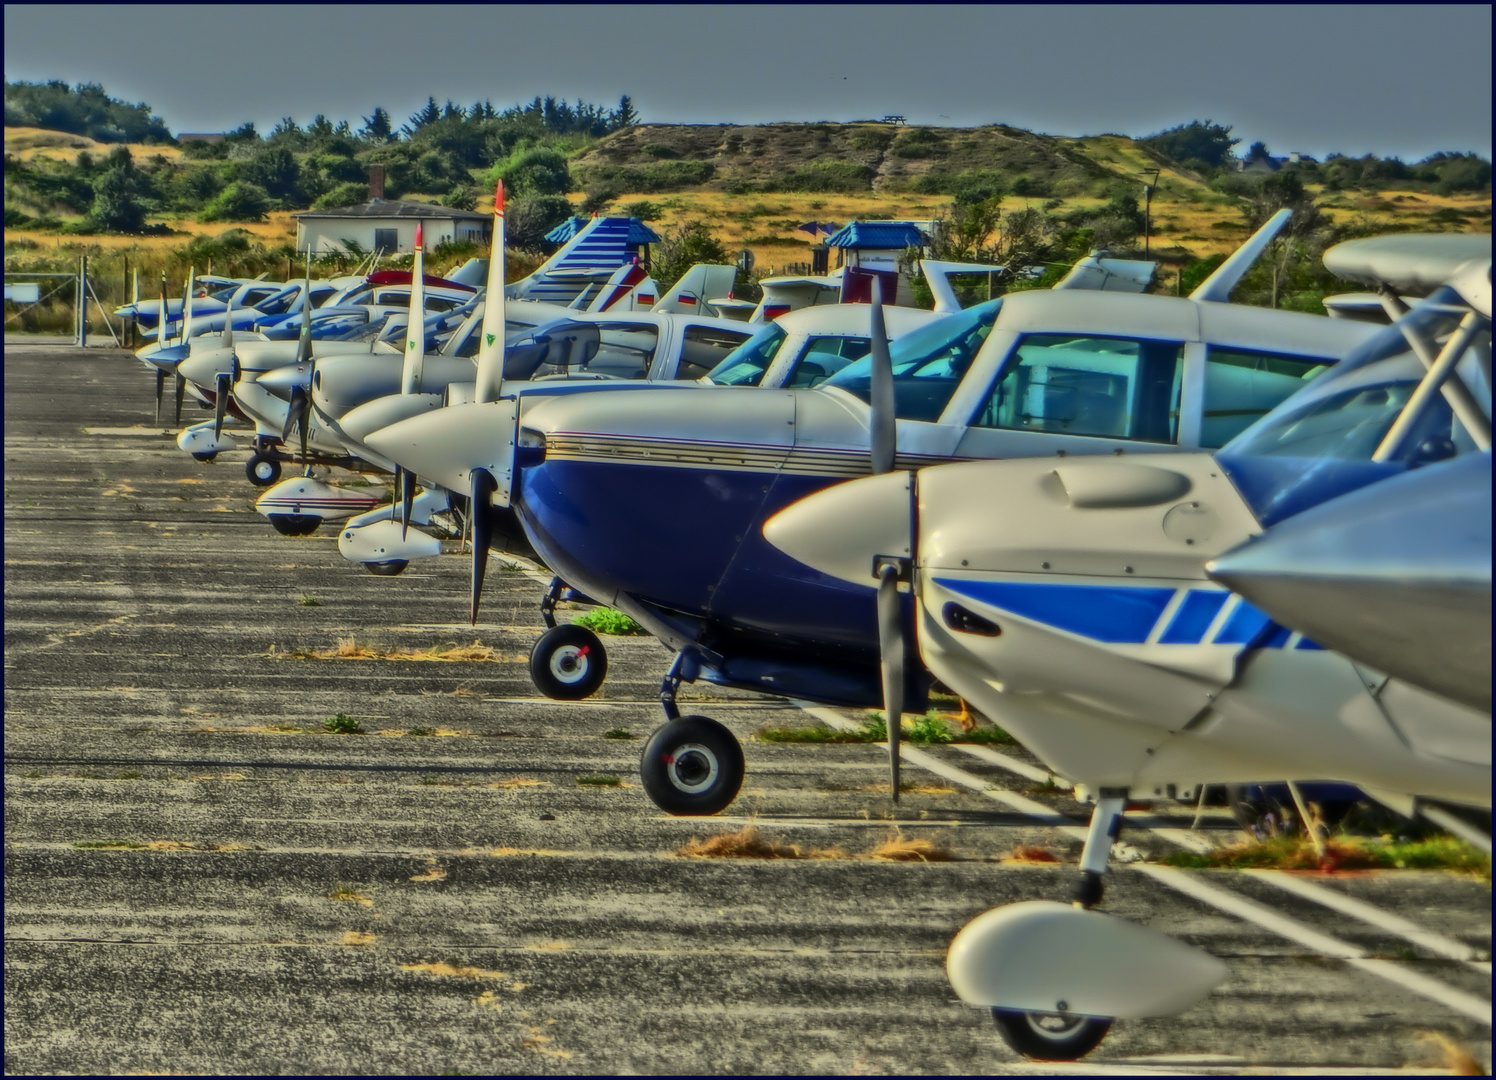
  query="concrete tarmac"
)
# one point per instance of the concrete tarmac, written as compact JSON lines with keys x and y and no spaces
{"x":199,"y":878}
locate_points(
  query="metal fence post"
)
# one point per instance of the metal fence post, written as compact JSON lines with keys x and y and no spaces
{"x":83,"y":301}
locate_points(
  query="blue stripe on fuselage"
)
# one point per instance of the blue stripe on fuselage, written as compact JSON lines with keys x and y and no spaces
{"x":1119,"y":615}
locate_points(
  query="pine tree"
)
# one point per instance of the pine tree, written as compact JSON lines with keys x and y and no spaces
{"x":377,"y":127}
{"x":625,"y":116}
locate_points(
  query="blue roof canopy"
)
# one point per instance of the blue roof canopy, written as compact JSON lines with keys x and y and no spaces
{"x":639,"y":233}
{"x":878,"y":234}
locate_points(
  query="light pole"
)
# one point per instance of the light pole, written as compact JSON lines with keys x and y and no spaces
{"x":1148,"y":214}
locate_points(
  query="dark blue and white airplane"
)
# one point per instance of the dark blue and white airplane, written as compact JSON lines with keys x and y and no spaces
{"x":654,"y":501}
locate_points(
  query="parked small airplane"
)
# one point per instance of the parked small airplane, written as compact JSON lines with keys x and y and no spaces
{"x":1068,"y":599}
{"x":1033,"y":373}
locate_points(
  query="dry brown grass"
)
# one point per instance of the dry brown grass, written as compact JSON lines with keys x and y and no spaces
{"x":431,"y":873}
{"x":1451,"y":1056}
{"x":748,"y":843}
{"x":351,"y":648}
{"x":919,"y":849}
{"x":357,"y":937}
{"x":511,"y":852}
{"x":1027,"y":853}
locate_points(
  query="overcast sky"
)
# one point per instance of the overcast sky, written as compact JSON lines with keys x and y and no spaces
{"x":1404,"y":80}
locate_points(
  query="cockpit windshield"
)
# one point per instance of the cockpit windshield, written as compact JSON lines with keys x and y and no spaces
{"x":1323,"y":442}
{"x":928,"y":363}
{"x":746,"y":365}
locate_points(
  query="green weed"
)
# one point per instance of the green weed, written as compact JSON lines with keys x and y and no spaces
{"x":605,"y":620}
{"x":343,"y":724}
{"x":129,"y":845}
{"x":421,"y":731}
{"x":617,"y":733}
{"x":308,"y":600}
{"x":599,"y":780}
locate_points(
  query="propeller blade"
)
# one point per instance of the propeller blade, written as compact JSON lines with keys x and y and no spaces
{"x":407,"y":484}
{"x":293,"y":412}
{"x":883,"y":427}
{"x":220,"y":403}
{"x":160,"y":388}
{"x":181,"y":389}
{"x":891,"y":645}
{"x":482,"y":486}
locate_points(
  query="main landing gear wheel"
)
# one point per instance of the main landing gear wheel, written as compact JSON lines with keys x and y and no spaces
{"x":205,"y":458}
{"x":568,"y":663}
{"x":1051,"y":1036}
{"x":262,"y":471}
{"x":692,"y":766}
{"x":392,"y":568}
{"x":295,"y":524}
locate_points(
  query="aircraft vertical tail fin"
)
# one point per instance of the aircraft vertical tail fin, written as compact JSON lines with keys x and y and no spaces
{"x":490,"y":359}
{"x":701,"y":283}
{"x":624,"y":282}
{"x":415,"y":326}
{"x":599,"y":246}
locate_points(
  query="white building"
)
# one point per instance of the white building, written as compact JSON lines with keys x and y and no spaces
{"x":388,"y":225}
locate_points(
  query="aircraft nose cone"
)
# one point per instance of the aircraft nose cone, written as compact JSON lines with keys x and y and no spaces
{"x":842,"y":530}
{"x":282,"y":381}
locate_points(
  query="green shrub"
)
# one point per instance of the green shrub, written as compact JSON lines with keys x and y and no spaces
{"x":827,"y":176}
{"x":240,"y":201}
{"x":606,"y":620}
{"x":342,"y":724}
{"x":350,"y":193}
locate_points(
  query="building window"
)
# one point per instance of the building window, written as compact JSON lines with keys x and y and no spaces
{"x":387,"y":240}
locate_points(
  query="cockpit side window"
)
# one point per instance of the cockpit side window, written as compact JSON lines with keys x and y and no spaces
{"x":746,"y":365}
{"x":823,"y":357}
{"x":1244,"y":385}
{"x":1069,"y":384}
{"x":704,"y":347}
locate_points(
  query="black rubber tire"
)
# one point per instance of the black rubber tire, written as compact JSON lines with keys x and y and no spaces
{"x":692,"y":767}
{"x":262,"y":471}
{"x":392,"y":568}
{"x":568,"y":663}
{"x":205,"y":458}
{"x":294,"y":524}
{"x":1051,"y":1036}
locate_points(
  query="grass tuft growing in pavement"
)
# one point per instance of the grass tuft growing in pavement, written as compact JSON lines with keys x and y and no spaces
{"x":933,"y":728}
{"x":920,"y":849}
{"x":123,"y":845}
{"x":308,"y":600}
{"x":617,"y":733}
{"x":421,"y":731}
{"x":749,"y":843}
{"x":606,"y":620}
{"x":343,"y":724}
{"x":599,"y":780}
{"x":1342,"y":853}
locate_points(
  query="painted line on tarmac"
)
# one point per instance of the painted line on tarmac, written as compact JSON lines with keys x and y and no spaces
{"x":1193,"y":886}
{"x":1250,"y":910}
{"x":1438,"y":944}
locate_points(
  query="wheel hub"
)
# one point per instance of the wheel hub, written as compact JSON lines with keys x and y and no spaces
{"x":569,"y":663}
{"x":1054,"y":1025}
{"x":692,"y":768}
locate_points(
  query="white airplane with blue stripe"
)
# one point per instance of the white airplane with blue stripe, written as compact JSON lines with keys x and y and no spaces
{"x":1072,"y":601}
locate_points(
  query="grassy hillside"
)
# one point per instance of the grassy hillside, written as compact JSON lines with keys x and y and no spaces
{"x":751,"y":187}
